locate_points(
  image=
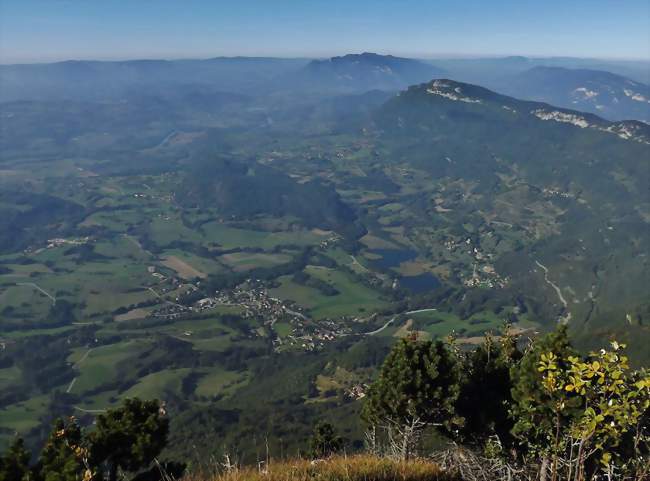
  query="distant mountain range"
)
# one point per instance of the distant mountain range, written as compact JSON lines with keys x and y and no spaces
{"x":491,"y":70}
{"x":606,"y":94}
{"x":366,"y":71}
{"x":93,"y":80}
{"x":209,"y":82}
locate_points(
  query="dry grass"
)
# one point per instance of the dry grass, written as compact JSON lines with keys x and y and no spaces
{"x":355,"y":468}
{"x":183,"y":269}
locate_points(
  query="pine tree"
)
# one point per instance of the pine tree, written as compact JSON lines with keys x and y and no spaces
{"x":62,"y":458}
{"x":418,"y":385}
{"x":14,"y":465}
{"x":488,"y":384}
{"x":130,"y":437}
{"x":324,"y":442}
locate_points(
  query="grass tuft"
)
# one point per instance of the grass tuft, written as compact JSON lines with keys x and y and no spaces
{"x":355,"y":468}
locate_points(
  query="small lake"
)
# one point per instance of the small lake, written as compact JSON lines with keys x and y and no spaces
{"x":421,"y":283}
{"x":392,"y":258}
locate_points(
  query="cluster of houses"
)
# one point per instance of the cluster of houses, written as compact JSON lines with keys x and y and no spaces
{"x":256,"y":302}
{"x":484,"y":274}
{"x":556,"y":193}
{"x":171,"y":311}
{"x":331,"y":241}
{"x":356,"y":392}
{"x":314,"y":335}
{"x":254,"y":298}
{"x":58,"y":242}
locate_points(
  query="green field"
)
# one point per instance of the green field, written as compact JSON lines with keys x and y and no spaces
{"x":244,"y":261}
{"x":353,"y":299}
{"x":229,"y":237}
{"x":440,"y":324}
{"x":217,"y":381}
{"x":203,"y":264}
{"x":24,"y":302}
{"x":9,"y":376}
{"x":282,"y":329}
{"x":97,"y":365}
{"x":154,"y":386}
{"x":25,"y":415}
{"x":165,"y":230}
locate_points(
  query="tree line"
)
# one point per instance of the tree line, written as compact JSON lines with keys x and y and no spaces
{"x":505,"y":410}
{"x":124,"y":440}
{"x":539,"y":411}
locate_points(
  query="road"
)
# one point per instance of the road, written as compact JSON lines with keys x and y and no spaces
{"x":163,"y":299}
{"x":90,"y":411}
{"x":70,"y":385}
{"x":377,"y":331}
{"x":76,"y":365}
{"x":83,"y":358}
{"x":136,"y":242}
{"x":297,"y":314}
{"x":422,"y":310}
{"x":35,"y":286}
{"x":165,"y":140}
{"x":567,"y":318}
{"x":357,"y":263}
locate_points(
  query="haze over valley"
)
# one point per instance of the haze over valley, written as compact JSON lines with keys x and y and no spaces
{"x":245,"y":238}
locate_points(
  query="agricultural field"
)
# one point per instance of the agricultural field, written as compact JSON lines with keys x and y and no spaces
{"x":148,"y":298}
{"x":267,"y":269}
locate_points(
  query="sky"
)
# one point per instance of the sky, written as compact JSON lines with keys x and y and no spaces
{"x":50,"y":30}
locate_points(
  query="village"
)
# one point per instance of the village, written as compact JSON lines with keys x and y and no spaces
{"x":253,"y":298}
{"x":484,"y":273}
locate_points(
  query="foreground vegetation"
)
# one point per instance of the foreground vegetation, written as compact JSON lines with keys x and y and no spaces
{"x":544,"y":412}
{"x":123,"y":440}
{"x":337,"y":468}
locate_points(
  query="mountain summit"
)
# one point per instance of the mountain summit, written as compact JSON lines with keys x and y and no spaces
{"x":367,"y":71}
{"x":462,"y":101}
{"x":603,"y":93}
{"x":569,"y":183}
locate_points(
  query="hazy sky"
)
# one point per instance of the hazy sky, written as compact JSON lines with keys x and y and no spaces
{"x":44,"y":30}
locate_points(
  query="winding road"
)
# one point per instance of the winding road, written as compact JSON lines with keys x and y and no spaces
{"x":377,"y":331}
{"x":38,"y":288}
{"x":567,"y":317}
{"x":355,"y":262}
{"x":430,"y":309}
{"x":76,"y":365}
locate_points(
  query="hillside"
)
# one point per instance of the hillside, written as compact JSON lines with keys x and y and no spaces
{"x":568,"y":185}
{"x":238,"y":190}
{"x":599,"y":92}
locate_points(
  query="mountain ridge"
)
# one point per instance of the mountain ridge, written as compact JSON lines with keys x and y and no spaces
{"x":596,"y":91}
{"x":470,"y":93}
{"x":584,"y":176}
{"x":369,"y":71}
